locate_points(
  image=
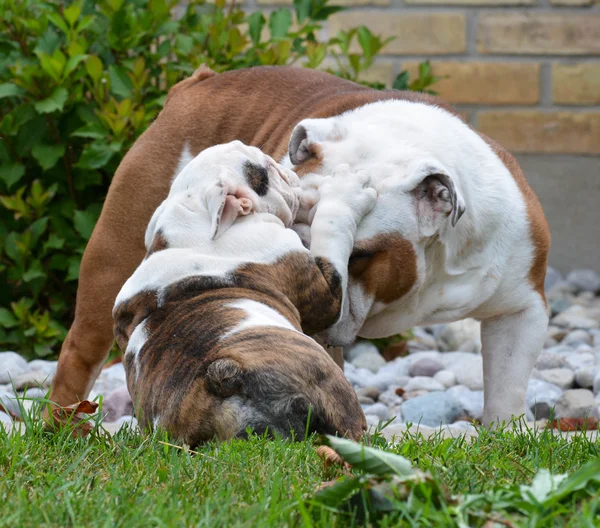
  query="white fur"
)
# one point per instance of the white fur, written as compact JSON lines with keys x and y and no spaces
{"x":257,"y":314}
{"x":479,"y":268}
{"x":136,"y":342}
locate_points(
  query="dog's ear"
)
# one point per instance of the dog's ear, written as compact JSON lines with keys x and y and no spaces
{"x":224,"y":206}
{"x":306,"y":138}
{"x":152,"y":225}
{"x":437,"y":197}
{"x":224,"y":378}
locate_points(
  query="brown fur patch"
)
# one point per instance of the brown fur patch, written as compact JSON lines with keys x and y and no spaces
{"x":159,"y":242}
{"x":386,"y":265}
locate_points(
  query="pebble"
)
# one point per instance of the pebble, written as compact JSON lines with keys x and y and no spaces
{"x":550,"y":360}
{"x":11,"y":366}
{"x":542,"y":397}
{"x":413,"y":394}
{"x":116,"y":404}
{"x":584,"y":280}
{"x":377,"y":409}
{"x":33,"y":378}
{"x":471,"y":402}
{"x":563,"y":378}
{"x":390,"y":397}
{"x":9,"y":402}
{"x":5,"y":419}
{"x":432,"y":409}
{"x":576,"y":317}
{"x":422,"y":340}
{"x":596,"y":385}
{"x":556,"y":332}
{"x":553,"y":277}
{"x":367,"y":357}
{"x":423,"y":383}
{"x":577,"y":359}
{"x":469,"y":371}
{"x":425,"y":367}
{"x":577,"y":337}
{"x":584,"y":377}
{"x":357,"y":349}
{"x":576,"y":403}
{"x":49,"y":367}
{"x":446,"y":378}
{"x":365,"y":400}
{"x":369,"y":392}
{"x":459,"y":333}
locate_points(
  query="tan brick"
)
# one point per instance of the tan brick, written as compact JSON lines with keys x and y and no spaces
{"x":427,"y":33}
{"x":471,"y":2}
{"x":539,"y":33}
{"x":576,"y":83}
{"x":337,"y":2}
{"x":571,"y":2}
{"x":484,"y":82}
{"x":547,"y":132}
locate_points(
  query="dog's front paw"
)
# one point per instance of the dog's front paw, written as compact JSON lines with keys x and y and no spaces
{"x":353,"y":189}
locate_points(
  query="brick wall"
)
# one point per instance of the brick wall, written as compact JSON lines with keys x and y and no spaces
{"x":525,"y":72}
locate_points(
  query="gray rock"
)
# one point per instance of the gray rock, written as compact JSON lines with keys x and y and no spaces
{"x":372,"y":420}
{"x":423,"y":383}
{"x":393,"y":373}
{"x":578,"y":337}
{"x":542,"y":397}
{"x":389,"y":397}
{"x":469,"y":372}
{"x":550,"y":342}
{"x":372,"y":361}
{"x":584,"y":377}
{"x":563,"y":378}
{"x":365,"y":400}
{"x":596,"y":385}
{"x":358,"y":377}
{"x":11,"y":366}
{"x":454,"y":335}
{"x":5,"y":419}
{"x":359,"y":348}
{"x":556,"y":332}
{"x":369,"y":392}
{"x":110,"y":379}
{"x":454,"y":358}
{"x":595,"y":337}
{"x":377,"y":409}
{"x":432,"y":409}
{"x":49,"y":367}
{"x":446,"y":378}
{"x":425,"y":367}
{"x":584,"y":280}
{"x":34,"y":393}
{"x":9,"y":401}
{"x":116,"y":404}
{"x":560,"y":305}
{"x":577,"y":360}
{"x":471,"y":402}
{"x":33,"y":378}
{"x":576,"y":403}
{"x":576,"y":317}
{"x":553,"y":277}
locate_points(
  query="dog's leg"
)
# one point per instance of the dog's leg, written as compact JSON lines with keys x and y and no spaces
{"x":510,"y":347}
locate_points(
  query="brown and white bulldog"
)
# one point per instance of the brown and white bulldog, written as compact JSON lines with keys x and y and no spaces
{"x":456,"y":231}
{"x":211,"y":321}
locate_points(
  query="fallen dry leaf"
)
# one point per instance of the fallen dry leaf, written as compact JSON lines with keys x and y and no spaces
{"x":574,"y":424}
{"x":76,"y":416}
{"x":395,"y":350}
{"x":331,"y":458}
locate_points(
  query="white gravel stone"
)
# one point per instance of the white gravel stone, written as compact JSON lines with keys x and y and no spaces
{"x":584,"y":280}
{"x":372,"y":361}
{"x":577,"y":337}
{"x":33,"y":378}
{"x":454,"y":335}
{"x":11,"y":366}
{"x":9,"y":402}
{"x":378,"y":409}
{"x":357,"y":349}
{"x":446,"y":378}
{"x":577,"y":360}
{"x":563,"y":378}
{"x":550,"y":360}
{"x":576,"y":403}
{"x":557,"y":332}
{"x":432,"y":409}
{"x":110,"y":379}
{"x":597,"y":383}
{"x":584,"y":377}
{"x":423,"y":383}
{"x":469,"y":371}
{"x":5,"y":419}
{"x":553,"y":277}
{"x":425,"y":367}
{"x":541,"y":397}
{"x":576,"y":317}
{"x":471,"y":402}
{"x":49,"y":367}
{"x":389,"y":397}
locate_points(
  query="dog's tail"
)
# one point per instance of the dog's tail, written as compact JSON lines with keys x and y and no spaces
{"x":202,"y":73}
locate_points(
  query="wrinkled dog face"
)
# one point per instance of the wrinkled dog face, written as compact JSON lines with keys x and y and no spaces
{"x":222,"y":183}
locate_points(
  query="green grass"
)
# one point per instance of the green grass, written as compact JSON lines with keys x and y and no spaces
{"x":52,"y":479}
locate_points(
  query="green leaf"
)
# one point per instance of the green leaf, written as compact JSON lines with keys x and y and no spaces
{"x":95,"y":155}
{"x":58,"y":22}
{"x":401,"y":81}
{"x":54,"y":242}
{"x":184,"y":43}
{"x":53,"y":103}
{"x":120,"y":83}
{"x":38,"y":227}
{"x":256,"y":22}
{"x":91,"y":130}
{"x":7,"y":319}
{"x":73,"y":273}
{"x":48,"y":42}
{"x":47,"y":155}
{"x":10,"y":90}
{"x":11,"y":173}
{"x":84,"y":223}
{"x":72,"y":63}
{"x":340,"y":492}
{"x":302,"y":8}
{"x":93,"y":66}
{"x":35,"y":271}
{"x":280,"y":22}
{"x":72,"y":12}
{"x":369,"y":459}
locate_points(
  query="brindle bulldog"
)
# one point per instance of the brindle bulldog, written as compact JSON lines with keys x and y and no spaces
{"x":212,"y":320}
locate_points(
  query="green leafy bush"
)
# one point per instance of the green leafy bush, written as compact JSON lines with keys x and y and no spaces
{"x":79,"y":81}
